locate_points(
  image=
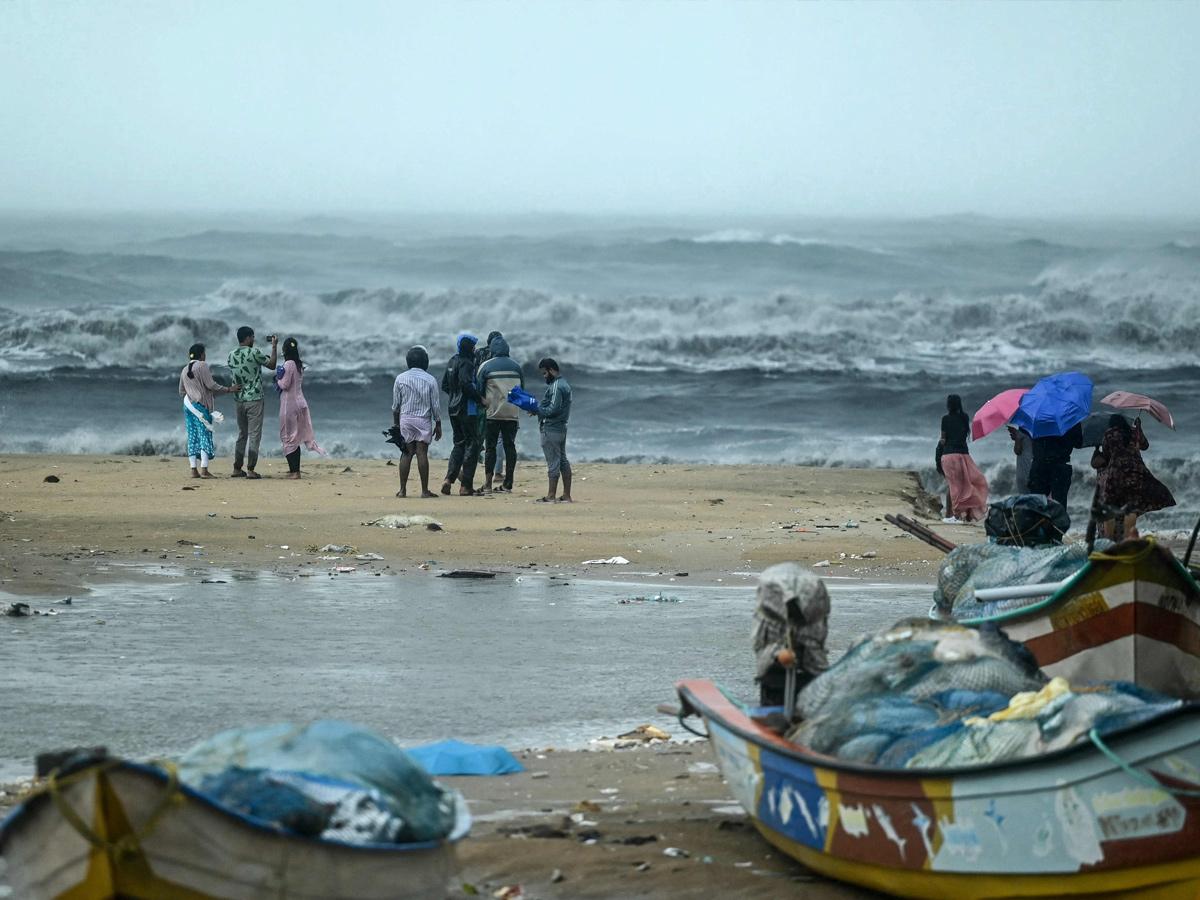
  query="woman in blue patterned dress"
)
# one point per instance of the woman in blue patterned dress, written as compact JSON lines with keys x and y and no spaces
{"x":196,"y":387}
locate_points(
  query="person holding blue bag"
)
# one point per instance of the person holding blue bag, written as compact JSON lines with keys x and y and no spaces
{"x":553,"y":413}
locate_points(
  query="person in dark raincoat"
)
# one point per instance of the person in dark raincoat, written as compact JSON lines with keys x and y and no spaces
{"x":459,"y":383}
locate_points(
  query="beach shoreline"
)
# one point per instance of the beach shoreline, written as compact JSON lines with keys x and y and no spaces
{"x":111,"y":518}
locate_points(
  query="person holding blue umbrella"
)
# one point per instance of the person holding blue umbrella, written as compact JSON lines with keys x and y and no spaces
{"x":1052,"y":412}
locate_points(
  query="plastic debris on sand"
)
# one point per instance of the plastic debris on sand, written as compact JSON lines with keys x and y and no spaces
{"x":402,"y":521}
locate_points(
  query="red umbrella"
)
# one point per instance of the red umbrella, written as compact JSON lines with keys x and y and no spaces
{"x":1126,"y":400}
{"x":996,"y":412}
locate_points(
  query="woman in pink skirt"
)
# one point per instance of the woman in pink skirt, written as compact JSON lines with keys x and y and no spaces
{"x":968,"y":487}
{"x":295,"y":426}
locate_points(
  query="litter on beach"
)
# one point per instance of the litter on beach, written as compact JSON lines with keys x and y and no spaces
{"x":402,"y":521}
{"x":611,"y":561}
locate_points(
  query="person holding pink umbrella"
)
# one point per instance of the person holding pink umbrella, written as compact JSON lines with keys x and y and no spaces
{"x":968,"y":486}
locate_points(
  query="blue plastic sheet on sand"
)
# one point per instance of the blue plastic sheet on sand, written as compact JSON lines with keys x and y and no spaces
{"x":459,"y":758}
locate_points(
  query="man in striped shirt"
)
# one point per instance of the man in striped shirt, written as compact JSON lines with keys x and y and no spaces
{"x":417,"y":411}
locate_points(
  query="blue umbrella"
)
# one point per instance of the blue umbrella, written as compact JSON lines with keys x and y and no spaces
{"x":1055,"y":405}
{"x":458,"y":758}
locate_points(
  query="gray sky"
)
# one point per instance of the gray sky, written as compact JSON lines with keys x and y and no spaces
{"x":806,"y":108}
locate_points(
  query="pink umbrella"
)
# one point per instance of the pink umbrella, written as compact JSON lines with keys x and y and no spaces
{"x":1126,"y":400}
{"x":996,"y":412}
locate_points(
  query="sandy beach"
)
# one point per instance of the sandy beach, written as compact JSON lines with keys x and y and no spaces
{"x":703,"y":520}
{"x":120,"y":519}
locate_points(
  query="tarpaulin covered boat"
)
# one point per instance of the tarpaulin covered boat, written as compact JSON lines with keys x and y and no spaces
{"x":1112,"y":818}
{"x":117,"y":829}
{"x":1130,"y":613}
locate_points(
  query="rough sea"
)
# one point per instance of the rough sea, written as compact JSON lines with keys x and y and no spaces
{"x":830,"y":343}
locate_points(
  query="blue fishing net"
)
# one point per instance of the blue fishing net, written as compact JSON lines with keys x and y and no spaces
{"x":919,"y":694}
{"x":972,"y":566}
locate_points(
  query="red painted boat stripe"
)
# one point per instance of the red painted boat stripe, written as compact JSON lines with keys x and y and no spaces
{"x":1129,"y":618}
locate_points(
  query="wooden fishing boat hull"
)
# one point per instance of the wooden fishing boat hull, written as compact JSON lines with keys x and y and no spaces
{"x":1071,"y":823}
{"x":1130,"y":614}
{"x":144,"y":837}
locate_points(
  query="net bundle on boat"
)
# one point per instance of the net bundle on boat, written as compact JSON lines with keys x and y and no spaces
{"x":973,"y":566}
{"x":924,"y":694}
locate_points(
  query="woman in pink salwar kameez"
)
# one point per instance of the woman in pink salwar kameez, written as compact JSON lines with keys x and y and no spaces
{"x":295,"y":426}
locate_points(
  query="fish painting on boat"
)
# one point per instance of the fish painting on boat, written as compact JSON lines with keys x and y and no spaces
{"x":1073,"y":822}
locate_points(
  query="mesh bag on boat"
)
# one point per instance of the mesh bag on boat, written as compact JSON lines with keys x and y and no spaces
{"x":973,"y":566}
{"x":925,"y":694}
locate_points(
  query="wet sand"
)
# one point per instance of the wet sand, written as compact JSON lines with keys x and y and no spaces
{"x":704,"y":520}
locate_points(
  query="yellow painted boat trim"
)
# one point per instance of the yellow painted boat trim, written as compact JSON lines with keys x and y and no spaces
{"x":1167,"y":881}
{"x":121,"y":869}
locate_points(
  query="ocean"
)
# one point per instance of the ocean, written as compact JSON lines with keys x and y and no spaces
{"x":815,"y":342}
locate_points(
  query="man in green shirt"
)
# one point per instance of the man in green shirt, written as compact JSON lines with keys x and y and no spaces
{"x":247,"y":364}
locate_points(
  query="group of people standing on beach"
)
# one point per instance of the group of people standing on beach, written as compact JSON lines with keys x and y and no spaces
{"x":483,"y":421}
{"x":1123,"y":481}
{"x":479,"y":381}
{"x":198,"y":389}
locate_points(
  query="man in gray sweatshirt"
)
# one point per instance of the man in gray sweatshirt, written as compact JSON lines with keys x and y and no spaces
{"x":553,"y":412}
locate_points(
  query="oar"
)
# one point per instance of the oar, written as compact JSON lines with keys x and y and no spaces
{"x":917,"y":530}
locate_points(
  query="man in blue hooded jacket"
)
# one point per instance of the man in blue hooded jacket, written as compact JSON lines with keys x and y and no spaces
{"x":498,"y":375}
{"x":459,"y":383}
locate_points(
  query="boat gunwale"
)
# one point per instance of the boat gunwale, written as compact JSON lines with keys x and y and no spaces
{"x":776,"y":744}
{"x":42,"y":796}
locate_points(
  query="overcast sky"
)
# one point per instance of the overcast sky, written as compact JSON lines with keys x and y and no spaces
{"x":658,"y":107}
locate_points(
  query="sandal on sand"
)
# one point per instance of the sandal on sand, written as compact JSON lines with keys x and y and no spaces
{"x":239,"y":475}
{"x":446,"y":489}
{"x":251,"y":475}
{"x":544,"y":500}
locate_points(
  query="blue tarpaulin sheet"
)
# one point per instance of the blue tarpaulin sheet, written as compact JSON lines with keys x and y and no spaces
{"x":459,"y":758}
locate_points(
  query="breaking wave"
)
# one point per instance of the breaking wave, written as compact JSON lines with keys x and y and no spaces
{"x":1106,"y":316}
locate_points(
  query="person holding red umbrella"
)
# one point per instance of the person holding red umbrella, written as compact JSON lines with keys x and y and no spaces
{"x":968,"y":486}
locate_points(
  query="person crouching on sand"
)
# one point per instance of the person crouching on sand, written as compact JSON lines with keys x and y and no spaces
{"x":553,"y":412}
{"x":968,"y":486}
{"x":793,"y":622}
{"x":295,"y":424}
{"x":196,"y":387}
{"x":417,"y":412}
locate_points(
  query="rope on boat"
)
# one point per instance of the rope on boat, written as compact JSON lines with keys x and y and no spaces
{"x":1133,"y":773}
{"x":687,"y":727}
{"x":128,"y":844}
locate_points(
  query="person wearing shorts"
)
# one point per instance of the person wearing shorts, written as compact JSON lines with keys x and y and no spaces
{"x":417,"y":412}
{"x":553,"y":413}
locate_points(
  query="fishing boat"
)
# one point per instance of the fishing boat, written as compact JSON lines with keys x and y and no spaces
{"x":1131,"y":613}
{"x":119,"y":830}
{"x":1115,"y":818}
